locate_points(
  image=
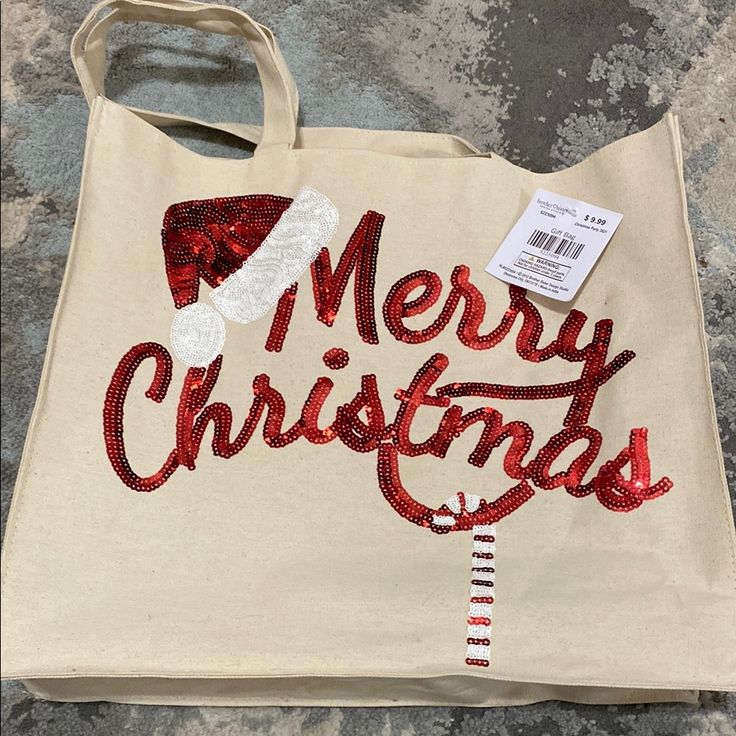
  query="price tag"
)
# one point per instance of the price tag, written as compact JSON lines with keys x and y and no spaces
{"x":554,"y":245}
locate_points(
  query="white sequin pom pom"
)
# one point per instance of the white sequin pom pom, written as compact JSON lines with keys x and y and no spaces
{"x":197,"y":335}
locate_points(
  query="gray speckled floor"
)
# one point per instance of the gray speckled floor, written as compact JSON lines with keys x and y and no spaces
{"x":542,"y":83}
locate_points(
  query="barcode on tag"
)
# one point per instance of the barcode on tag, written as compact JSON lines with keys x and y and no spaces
{"x":555,"y":244}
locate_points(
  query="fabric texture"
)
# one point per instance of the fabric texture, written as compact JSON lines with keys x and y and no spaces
{"x":724,"y":118}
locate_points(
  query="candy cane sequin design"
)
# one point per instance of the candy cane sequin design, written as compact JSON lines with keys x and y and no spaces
{"x":482,"y":595}
{"x":483,"y":574}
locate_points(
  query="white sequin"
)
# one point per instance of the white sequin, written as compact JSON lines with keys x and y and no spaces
{"x":481,"y":609}
{"x":472,"y":502}
{"x":294,"y":242}
{"x":484,"y":547}
{"x":453,"y":503}
{"x":443,"y":520}
{"x":475,"y":631}
{"x":479,"y":651}
{"x":197,"y":335}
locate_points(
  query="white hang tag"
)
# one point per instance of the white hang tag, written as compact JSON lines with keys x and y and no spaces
{"x":554,"y":245}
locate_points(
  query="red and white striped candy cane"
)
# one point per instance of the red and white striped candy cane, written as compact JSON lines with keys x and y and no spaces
{"x":483,"y":576}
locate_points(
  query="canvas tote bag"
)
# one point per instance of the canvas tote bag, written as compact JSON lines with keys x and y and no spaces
{"x":396,"y":480}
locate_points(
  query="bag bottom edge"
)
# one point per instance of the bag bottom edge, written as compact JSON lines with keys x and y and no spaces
{"x":474,"y":692}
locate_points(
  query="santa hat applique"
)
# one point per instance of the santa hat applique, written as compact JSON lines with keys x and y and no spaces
{"x":249,"y":249}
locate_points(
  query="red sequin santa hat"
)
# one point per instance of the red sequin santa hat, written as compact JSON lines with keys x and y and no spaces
{"x":249,"y":249}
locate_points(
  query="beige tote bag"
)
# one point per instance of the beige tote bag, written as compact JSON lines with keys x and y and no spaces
{"x":292,"y":444}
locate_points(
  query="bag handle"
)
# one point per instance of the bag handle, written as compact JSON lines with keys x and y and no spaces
{"x":280,"y":99}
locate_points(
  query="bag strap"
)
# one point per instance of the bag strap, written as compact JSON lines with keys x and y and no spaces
{"x":280,"y":99}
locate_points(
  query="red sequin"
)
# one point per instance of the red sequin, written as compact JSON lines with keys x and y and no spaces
{"x":361,"y":426}
{"x":617,"y":493}
{"x":360,"y":255}
{"x":353,"y":432}
{"x":114,"y":410}
{"x":396,"y":308}
{"x":281,"y":320}
{"x":389,"y":481}
{"x":336,"y":358}
{"x":210,"y":239}
{"x":479,"y":621}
